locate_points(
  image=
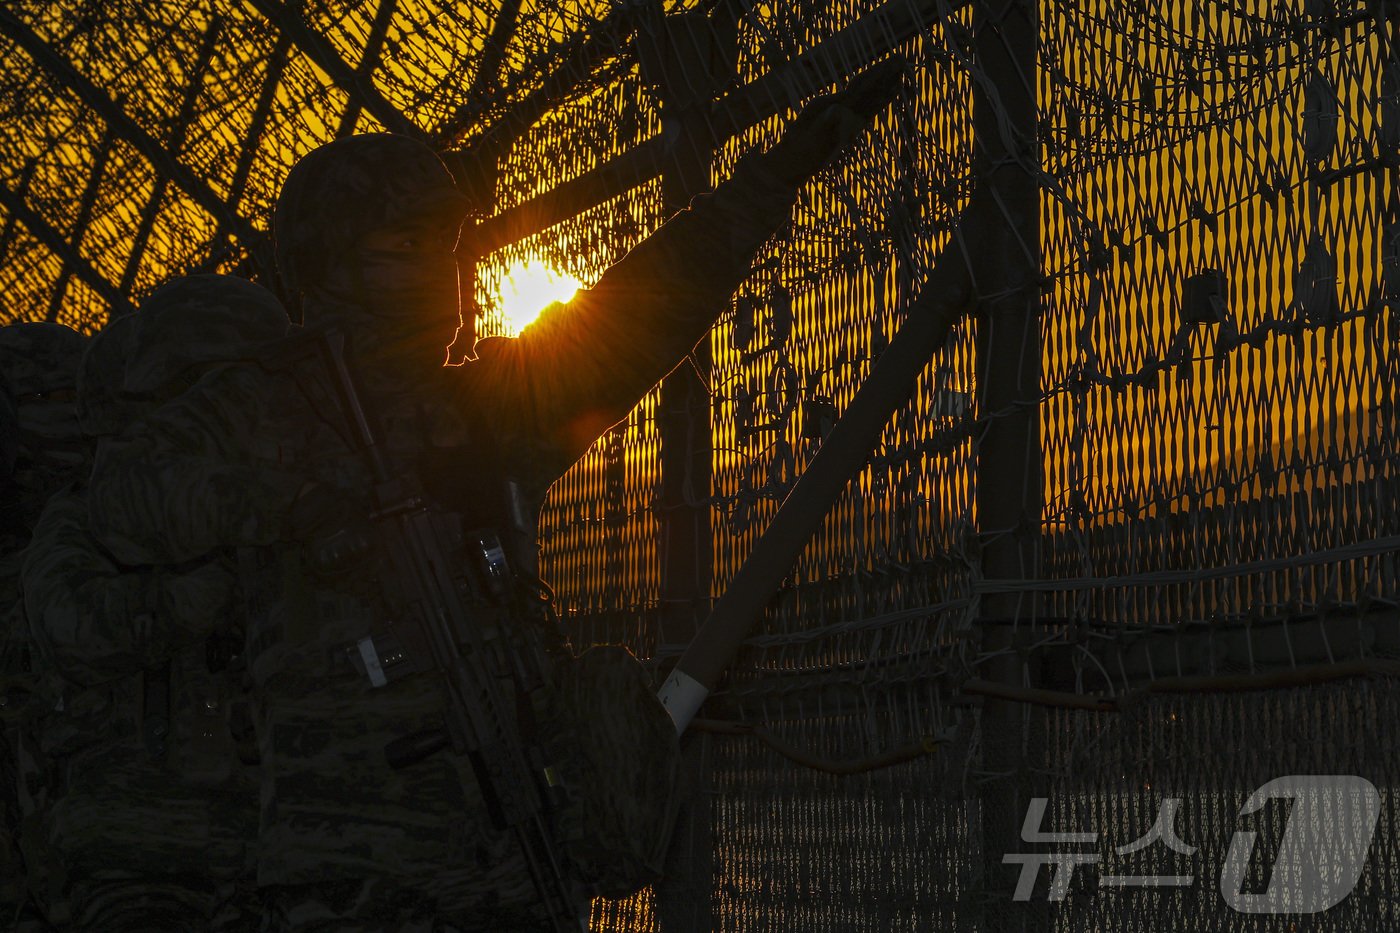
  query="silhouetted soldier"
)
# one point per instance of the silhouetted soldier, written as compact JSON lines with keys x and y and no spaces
{"x":137,"y":810}
{"x":40,"y":451}
{"x":365,"y":232}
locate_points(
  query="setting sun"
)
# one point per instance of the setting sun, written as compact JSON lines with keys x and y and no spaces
{"x":530,"y":288}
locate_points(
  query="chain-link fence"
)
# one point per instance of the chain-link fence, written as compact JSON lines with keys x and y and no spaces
{"x":1136,"y":554}
{"x":1212,"y":478}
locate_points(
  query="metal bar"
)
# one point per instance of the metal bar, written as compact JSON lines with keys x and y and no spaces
{"x":1194,"y":657}
{"x":488,"y":70}
{"x":125,"y":127}
{"x":217,"y":250}
{"x":55,"y":241}
{"x":1278,"y":680}
{"x":1061,"y":699}
{"x":1288,"y":679}
{"x":276,"y":65}
{"x":319,"y":50}
{"x":1007,"y":451}
{"x":873,"y":35}
{"x":683,"y":897}
{"x":684,"y":418}
{"x":1122,"y":663}
{"x":143,"y":233}
{"x":7,"y":234}
{"x":637,"y":166}
{"x":81,"y":222}
{"x":843,"y":453}
{"x":373,"y":43}
{"x":604,"y":39}
{"x":177,"y":142}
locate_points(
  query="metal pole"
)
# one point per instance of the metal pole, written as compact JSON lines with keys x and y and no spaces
{"x":369,"y":61}
{"x":675,"y":52}
{"x":80,"y":225}
{"x":1008,"y":471}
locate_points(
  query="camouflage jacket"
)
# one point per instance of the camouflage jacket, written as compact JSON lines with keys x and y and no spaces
{"x":526,"y":408}
{"x":222,"y":465}
{"x":92,"y":620}
{"x":187,"y":479}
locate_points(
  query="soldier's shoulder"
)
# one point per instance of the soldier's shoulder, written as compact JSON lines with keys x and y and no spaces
{"x":228,"y":394}
{"x":200,"y":320}
{"x":39,"y":356}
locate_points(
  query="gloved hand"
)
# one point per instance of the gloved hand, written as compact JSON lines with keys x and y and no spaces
{"x":829,"y":124}
{"x":334,"y":529}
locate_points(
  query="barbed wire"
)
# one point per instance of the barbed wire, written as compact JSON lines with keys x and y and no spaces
{"x":1216,"y":434}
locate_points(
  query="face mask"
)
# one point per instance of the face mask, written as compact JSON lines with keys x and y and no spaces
{"x":417,"y":282}
{"x":412,"y":297}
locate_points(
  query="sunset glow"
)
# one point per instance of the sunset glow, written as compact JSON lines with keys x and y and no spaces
{"x":529,"y":288}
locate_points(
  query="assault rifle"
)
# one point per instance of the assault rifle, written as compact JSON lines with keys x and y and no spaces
{"x":435,"y":627}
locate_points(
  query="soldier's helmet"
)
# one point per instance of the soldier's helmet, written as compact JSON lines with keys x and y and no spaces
{"x":103,"y":406}
{"x":337,"y":194}
{"x":198,"y":320}
{"x":40,"y":359}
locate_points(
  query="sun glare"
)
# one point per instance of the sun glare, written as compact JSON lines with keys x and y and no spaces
{"x":531,"y":287}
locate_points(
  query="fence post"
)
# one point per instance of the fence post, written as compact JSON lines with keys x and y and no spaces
{"x":1008,"y":465}
{"x":678,"y":53}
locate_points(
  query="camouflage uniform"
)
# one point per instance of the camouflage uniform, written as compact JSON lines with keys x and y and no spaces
{"x":196,"y":448}
{"x":92,"y":620}
{"x":42,"y":451}
{"x":41,"y":442}
{"x":9,"y":436}
{"x":39,"y":437}
{"x":38,"y":365}
{"x":343,"y":836}
{"x":140,"y":811}
{"x":11,"y":868}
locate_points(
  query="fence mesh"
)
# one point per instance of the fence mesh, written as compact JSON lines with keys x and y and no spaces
{"x":1210,"y":486}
